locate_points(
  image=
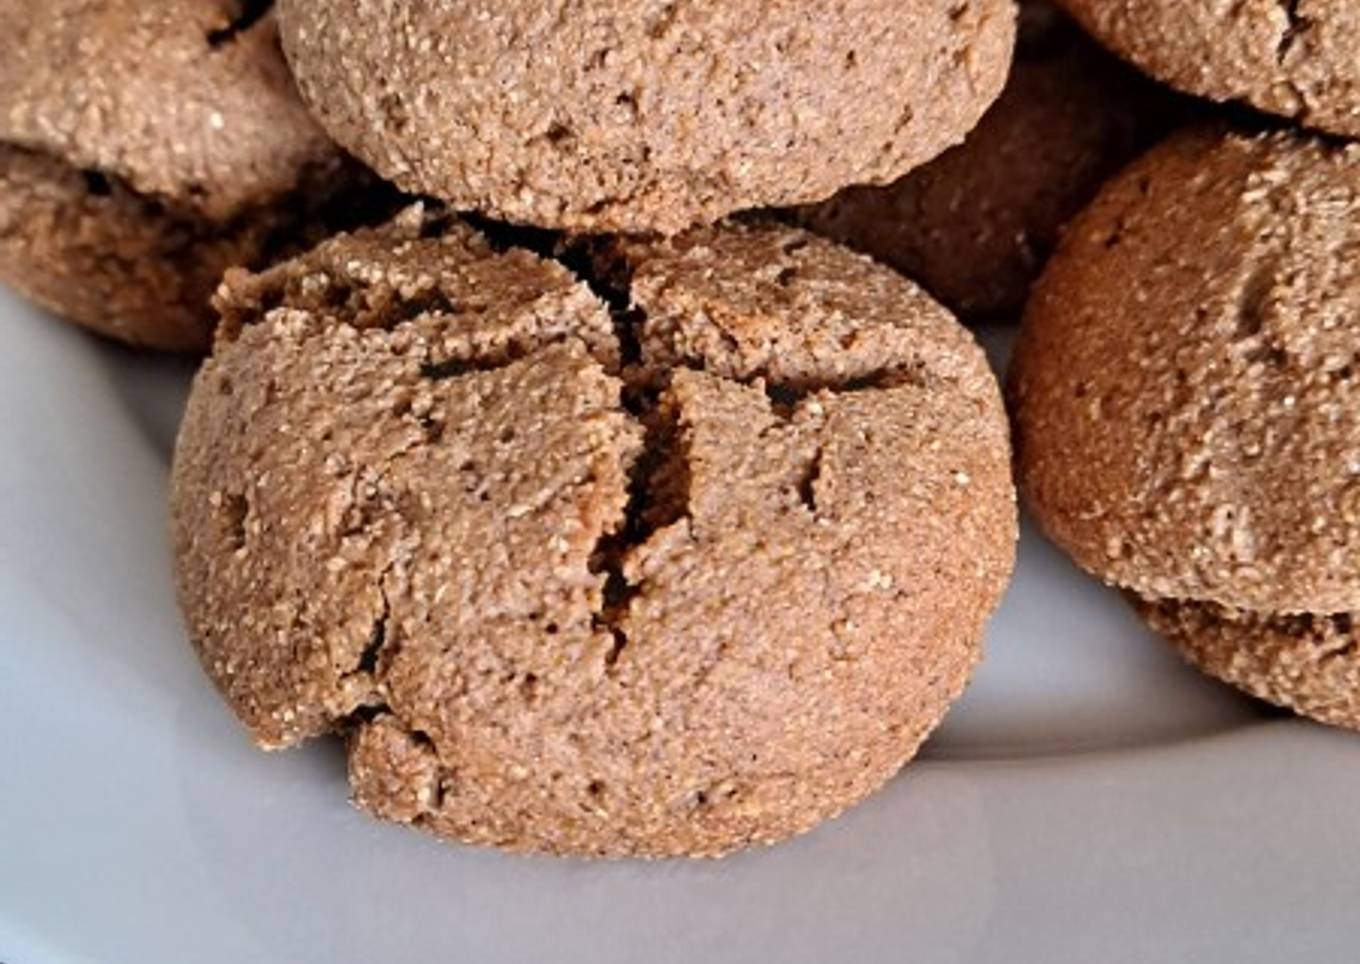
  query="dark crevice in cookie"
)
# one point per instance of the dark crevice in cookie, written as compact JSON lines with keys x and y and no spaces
{"x":783,"y":399}
{"x":807,"y":483}
{"x":1295,"y":25}
{"x":362,"y":715}
{"x":368,"y":659}
{"x":658,"y":496}
{"x":369,"y":666}
{"x":326,"y":200}
{"x":419,"y":736}
{"x":504,"y":237}
{"x":595,"y":261}
{"x":96,"y":183}
{"x":458,"y":367}
{"x":598,"y":263}
{"x":250,"y":12}
{"x":786,"y":396}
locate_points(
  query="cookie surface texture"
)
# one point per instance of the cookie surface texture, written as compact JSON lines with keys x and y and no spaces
{"x":974,"y":226}
{"x":144,"y":148}
{"x":1185,"y":392}
{"x":1297,"y":59}
{"x":645,"y":116}
{"x":679,"y":577}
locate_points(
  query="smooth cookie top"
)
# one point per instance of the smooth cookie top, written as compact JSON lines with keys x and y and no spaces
{"x":645,"y":115}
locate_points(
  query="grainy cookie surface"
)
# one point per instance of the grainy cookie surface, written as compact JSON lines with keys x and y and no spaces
{"x":671,"y":579}
{"x":1185,"y":391}
{"x":975,"y":225}
{"x":1296,"y":58}
{"x":143,"y":149}
{"x":1309,"y":663}
{"x":1185,"y":379}
{"x":645,"y":115}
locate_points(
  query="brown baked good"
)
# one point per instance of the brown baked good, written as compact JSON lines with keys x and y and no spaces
{"x":675,"y":579}
{"x":975,"y":225}
{"x":1295,"y":58}
{"x":1306,"y":661}
{"x":144,"y":148}
{"x":1185,"y":391}
{"x":642,"y":115}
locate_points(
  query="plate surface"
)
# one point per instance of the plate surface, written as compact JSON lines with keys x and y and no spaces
{"x":1090,"y":799}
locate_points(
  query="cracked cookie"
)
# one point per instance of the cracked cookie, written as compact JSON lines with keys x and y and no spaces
{"x":145,"y":148}
{"x":681,"y":551}
{"x":645,"y":116}
{"x":1184,"y":390}
{"x":1295,"y":58}
{"x":974,"y":226}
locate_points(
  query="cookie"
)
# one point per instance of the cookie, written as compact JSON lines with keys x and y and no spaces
{"x":1296,"y":59}
{"x":974,"y":226}
{"x":1308,"y":662}
{"x":685,"y":561}
{"x":144,"y":148}
{"x":1185,"y":391}
{"x":645,"y":116}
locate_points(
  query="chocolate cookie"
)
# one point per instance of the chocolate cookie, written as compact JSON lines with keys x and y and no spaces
{"x":144,"y":148}
{"x":1185,"y":389}
{"x":1297,"y":59}
{"x":975,"y":225}
{"x":691,"y":574}
{"x":645,"y":115}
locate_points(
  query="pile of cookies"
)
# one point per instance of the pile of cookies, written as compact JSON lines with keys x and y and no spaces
{"x":1184,"y":387}
{"x":563,"y":449}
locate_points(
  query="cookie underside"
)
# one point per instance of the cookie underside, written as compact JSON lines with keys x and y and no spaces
{"x":1308,"y":663}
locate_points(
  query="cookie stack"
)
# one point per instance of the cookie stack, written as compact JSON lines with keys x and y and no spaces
{"x":603,"y":516}
{"x":1184,"y":385}
{"x":144,"y":149}
{"x":975,"y":226}
{"x":594,"y":522}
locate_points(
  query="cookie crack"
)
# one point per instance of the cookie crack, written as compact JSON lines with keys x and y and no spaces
{"x":807,"y":482}
{"x":450,"y":368}
{"x":786,"y":396}
{"x":1295,"y":25}
{"x":658,"y":497}
{"x":377,"y":641}
{"x":249,"y":14}
{"x":591,"y":260}
{"x":659,"y":477}
{"x":369,"y":664}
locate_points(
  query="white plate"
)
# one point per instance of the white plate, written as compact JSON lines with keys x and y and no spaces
{"x":1091,"y":800}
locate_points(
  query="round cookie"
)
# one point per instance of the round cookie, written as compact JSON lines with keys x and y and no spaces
{"x":672,"y":579}
{"x":1185,"y":391}
{"x":144,"y":148}
{"x":975,"y":225}
{"x":1297,"y":59}
{"x":1306,"y":662}
{"x":645,"y":116}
